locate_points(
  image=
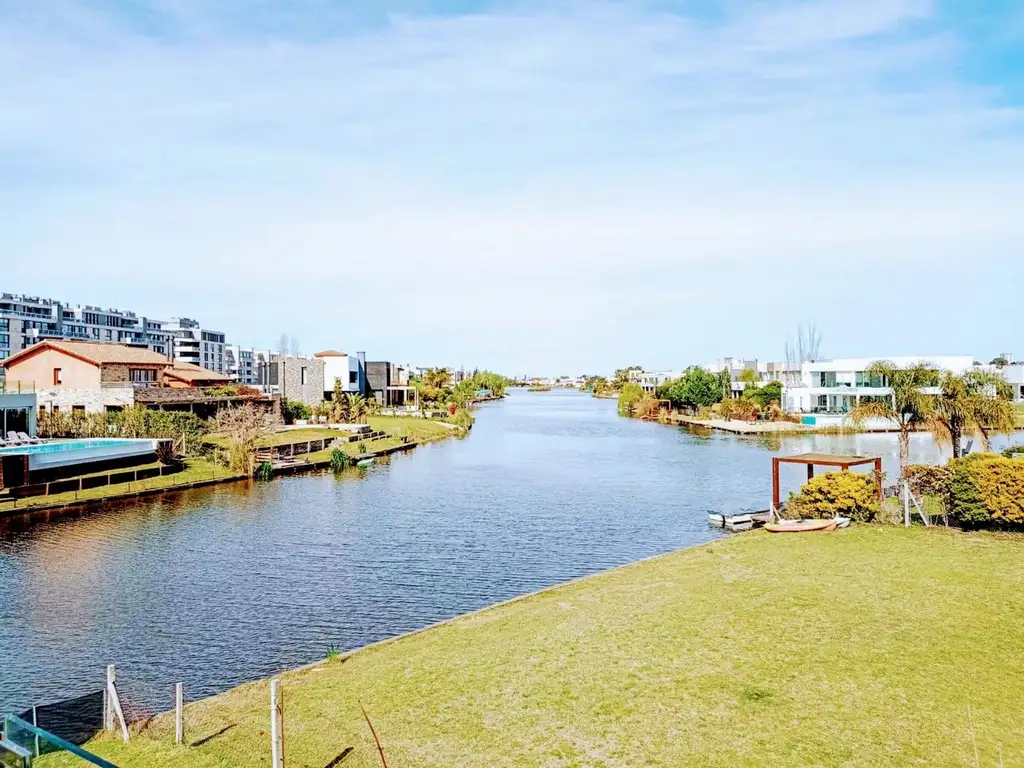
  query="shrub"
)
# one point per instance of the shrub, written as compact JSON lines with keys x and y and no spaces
{"x":463,"y":419}
{"x":265,"y":471}
{"x":1014,"y":452}
{"x":928,"y":480}
{"x":987,"y":488}
{"x":293,"y":410}
{"x":340,"y":460}
{"x":629,"y":398}
{"x":847,"y":494}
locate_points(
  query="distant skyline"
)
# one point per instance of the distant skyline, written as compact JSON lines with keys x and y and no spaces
{"x":532,"y":187}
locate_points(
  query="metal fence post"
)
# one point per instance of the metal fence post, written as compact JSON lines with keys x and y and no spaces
{"x":179,"y":715}
{"x":276,"y":725}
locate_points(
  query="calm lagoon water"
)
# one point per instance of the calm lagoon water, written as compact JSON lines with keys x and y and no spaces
{"x":219,"y":586}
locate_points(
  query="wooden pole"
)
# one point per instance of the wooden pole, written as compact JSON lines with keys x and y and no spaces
{"x":115,"y":712}
{"x":179,"y":714}
{"x":810,"y":472}
{"x":878,"y":476}
{"x":276,"y":721}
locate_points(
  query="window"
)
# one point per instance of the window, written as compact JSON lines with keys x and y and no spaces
{"x":141,"y":375}
{"x":56,"y":409}
{"x":303,"y":375}
{"x":78,"y":409}
{"x":353,"y":377}
{"x":58,"y":377}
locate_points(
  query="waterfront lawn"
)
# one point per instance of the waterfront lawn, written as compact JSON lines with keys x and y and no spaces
{"x":865,"y":647}
{"x":1019,"y":407}
{"x":196,"y":470}
{"x":416,"y":429}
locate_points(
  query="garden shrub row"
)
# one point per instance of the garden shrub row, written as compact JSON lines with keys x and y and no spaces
{"x":977,"y":490}
{"x":843,"y":494}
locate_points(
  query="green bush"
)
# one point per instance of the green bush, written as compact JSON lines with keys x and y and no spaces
{"x":987,"y":488}
{"x":846,"y":494}
{"x":340,"y":460}
{"x":293,"y":410}
{"x":1014,"y":452}
{"x":929,"y":480}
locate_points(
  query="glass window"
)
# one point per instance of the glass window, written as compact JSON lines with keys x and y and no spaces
{"x":58,"y":377}
{"x":78,"y":409}
{"x":303,"y":375}
{"x":353,"y":377}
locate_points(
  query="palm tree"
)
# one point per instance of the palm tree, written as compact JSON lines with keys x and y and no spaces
{"x":909,"y":408}
{"x":973,"y":404}
{"x":357,"y":408}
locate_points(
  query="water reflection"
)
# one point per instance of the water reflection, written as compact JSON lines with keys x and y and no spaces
{"x":217,"y":586}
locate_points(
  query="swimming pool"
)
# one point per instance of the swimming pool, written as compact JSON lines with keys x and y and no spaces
{"x":61,"y":453}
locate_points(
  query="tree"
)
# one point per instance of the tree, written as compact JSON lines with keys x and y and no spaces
{"x":976,"y":404}
{"x":908,"y":408}
{"x":696,"y":388}
{"x":621,"y":377}
{"x":629,"y":398}
{"x":748,"y":376}
{"x":294,"y":347}
{"x":243,"y":427}
{"x":357,"y":409}
{"x":725,"y":380}
{"x":766,"y":395}
{"x":805,"y":348}
{"x":437,"y":378}
{"x":283,"y":345}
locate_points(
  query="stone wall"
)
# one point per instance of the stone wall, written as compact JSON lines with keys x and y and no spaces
{"x":93,"y":400}
{"x":290,"y":377}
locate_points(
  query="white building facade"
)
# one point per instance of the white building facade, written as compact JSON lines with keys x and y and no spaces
{"x":838,"y":386}
{"x":649,"y":381}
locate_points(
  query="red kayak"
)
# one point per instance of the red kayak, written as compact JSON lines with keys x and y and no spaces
{"x":801,"y":526}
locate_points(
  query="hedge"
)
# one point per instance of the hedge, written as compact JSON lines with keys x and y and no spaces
{"x":928,"y":480}
{"x":986,"y":488}
{"x":846,"y":494}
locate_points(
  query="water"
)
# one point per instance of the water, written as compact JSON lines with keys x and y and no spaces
{"x":219,"y":586}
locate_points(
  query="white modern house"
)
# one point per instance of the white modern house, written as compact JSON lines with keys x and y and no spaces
{"x":349,"y":370}
{"x":651,"y":380}
{"x":838,"y":386}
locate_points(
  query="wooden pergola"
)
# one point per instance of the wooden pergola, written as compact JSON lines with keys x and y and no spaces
{"x":811,"y":460}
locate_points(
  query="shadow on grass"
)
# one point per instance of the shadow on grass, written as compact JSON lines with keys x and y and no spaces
{"x":213,"y":736}
{"x":338,"y":760}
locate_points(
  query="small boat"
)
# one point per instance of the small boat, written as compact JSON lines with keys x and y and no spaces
{"x":743,"y":521}
{"x":843,"y":522}
{"x":801,"y":526}
{"x":365,"y":462}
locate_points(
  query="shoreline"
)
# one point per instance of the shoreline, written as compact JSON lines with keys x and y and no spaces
{"x":57,"y":510}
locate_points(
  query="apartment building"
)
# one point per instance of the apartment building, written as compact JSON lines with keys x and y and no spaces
{"x":26,"y":320}
{"x":191,"y":343}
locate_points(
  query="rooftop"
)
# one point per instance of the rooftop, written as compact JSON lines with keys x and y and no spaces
{"x":189,"y":373}
{"x":95,"y":352}
{"x":331,"y":353}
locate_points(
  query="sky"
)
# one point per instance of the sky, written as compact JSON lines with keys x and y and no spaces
{"x":533,"y":187}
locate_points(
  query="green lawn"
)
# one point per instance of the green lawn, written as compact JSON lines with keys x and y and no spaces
{"x":865,"y":647}
{"x":1020,"y":414}
{"x":196,"y":470}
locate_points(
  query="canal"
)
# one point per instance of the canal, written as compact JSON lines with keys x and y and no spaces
{"x":219,"y":586}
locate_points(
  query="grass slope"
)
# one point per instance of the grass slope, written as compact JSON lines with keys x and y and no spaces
{"x":859,"y":648}
{"x":196,"y":470}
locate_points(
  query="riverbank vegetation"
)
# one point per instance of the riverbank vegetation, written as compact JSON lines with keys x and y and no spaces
{"x":745,"y":652}
{"x":437,"y":388}
{"x":186,"y":429}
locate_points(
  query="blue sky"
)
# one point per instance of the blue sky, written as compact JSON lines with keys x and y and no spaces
{"x":528,"y":186}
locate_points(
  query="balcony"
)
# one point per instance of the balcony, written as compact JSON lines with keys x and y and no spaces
{"x":16,"y":387}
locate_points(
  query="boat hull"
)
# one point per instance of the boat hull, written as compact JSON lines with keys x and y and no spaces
{"x":801,"y":526}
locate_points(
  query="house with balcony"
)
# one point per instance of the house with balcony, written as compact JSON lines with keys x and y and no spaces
{"x":838,"y":386}
{"x":649,"y":381}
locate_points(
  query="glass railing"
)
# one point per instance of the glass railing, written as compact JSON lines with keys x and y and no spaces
{"x":17,"y":387}
{"x":23,"y":742}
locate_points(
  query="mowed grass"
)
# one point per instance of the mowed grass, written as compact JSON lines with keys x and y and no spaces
{"x":196,"y":470}
{"x":864,"y":647}
{"x":1019,"y":407}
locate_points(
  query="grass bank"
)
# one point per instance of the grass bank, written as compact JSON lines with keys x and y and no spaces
{"x":864,"y":647}
{"x":400,"y":430}
{"x":196,"y":470}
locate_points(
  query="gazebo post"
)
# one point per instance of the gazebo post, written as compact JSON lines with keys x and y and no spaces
{"x":810,"y":472}
{"x":775,"y":483}
{"x":878,"y":478}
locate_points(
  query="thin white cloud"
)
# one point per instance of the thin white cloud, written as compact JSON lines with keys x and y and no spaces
{"x":495,"y":152}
